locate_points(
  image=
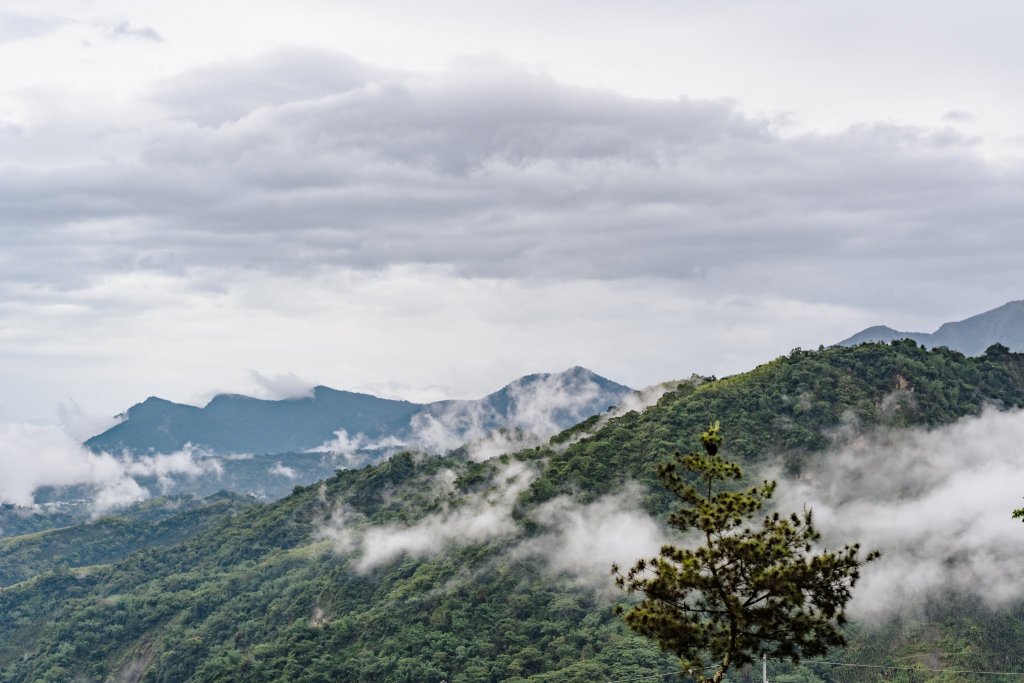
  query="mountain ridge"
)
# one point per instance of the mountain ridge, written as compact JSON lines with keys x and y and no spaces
{"x":281,"y":591}
{"x":236,"y":423}
{"x":971,"y":336}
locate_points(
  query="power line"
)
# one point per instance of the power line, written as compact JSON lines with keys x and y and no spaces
{"x":914,"y":668}
{"x":658,"y":677}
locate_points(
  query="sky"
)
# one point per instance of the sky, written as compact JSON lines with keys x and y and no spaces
{"x":428,"y":200}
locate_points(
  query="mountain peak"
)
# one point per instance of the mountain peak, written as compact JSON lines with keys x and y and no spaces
{"x":235,"y":423}
{"x":1002,"y":325}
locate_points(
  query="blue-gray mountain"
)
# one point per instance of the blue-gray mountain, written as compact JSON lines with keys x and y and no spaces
{"x":1003,"y":325}
{"x":540,"y":403}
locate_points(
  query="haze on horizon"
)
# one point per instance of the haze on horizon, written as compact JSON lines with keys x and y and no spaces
{"x":427,"y":202}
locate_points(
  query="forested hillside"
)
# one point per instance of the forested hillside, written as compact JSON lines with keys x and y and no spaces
{"x":434,"y":569}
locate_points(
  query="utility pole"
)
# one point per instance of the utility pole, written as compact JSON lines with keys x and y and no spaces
{"x":764,"y":667}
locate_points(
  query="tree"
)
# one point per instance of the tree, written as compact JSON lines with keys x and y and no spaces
{"x":748,"y":590}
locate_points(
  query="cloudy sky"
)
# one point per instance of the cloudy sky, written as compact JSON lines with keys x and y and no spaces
{"x":426,"y":200}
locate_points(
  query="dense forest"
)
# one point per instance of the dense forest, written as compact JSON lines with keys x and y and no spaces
{"x":231,"y":590}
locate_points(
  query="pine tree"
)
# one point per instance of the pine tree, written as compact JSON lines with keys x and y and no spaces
{"x":749,"y":589}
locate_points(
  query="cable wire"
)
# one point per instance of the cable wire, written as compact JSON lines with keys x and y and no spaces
{"x":914,"y":668}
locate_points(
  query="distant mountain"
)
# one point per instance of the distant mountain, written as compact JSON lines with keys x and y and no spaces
{"x":1003,"y":325}
{"x":231,"y":423}
{"x":343,"y":421}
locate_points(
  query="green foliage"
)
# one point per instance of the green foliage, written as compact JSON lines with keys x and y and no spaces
{"x":109,"y":539}
{"x":747,"y":590}
{"x":259,"y":595}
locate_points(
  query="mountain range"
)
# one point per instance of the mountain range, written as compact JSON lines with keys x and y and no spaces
{"x":1002,"y":325}
{"x":434,"y":569}
{"x":328,"y":418}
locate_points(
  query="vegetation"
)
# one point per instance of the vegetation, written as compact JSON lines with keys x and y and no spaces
{"x":263,"y":594}
{"x":746,"y":591}
{"x":159,"y":522}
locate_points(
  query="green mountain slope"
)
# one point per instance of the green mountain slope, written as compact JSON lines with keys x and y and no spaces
{"x":156,"y":522}
{"x":282,"y":592}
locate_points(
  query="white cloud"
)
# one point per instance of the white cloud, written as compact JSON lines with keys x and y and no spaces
{"x":936,"y":503}
{"x":319,"y":209}
{"x":586,"y":540}
{"x":478,"y":518}
{"x":281,"y":470}
{"x":359,"y":449}
{"x":534,"y":409}
{"x":281,"y":386}
{"x":80,"y":425}
{"x":32,"y":457}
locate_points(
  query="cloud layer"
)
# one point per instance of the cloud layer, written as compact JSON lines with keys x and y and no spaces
{"x":936,"y":503}
{"x":32,"y":457}
{"x":301,"y":160}
{"x":479,"y":518}
{"x":585,"y":540}
{"x":303,"y":211}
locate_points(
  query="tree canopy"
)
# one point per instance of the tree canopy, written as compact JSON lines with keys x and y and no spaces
{"x":747,"y":590}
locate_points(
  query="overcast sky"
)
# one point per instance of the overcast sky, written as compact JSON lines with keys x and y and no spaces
{"x":427,"y":200}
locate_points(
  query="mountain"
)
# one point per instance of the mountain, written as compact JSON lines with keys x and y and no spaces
{"x":444,"y":568}
{"x":1003,"y":325}
{"x":232,"y":424}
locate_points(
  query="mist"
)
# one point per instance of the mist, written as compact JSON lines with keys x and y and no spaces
{"x":280,"y":386}
{"x":357,"y":450}
{"x":937,"y":504}
{"x":33,"y":457}
{"x":538,"y":408}
{"x":585,"y":540}
{"x":478,"y":518}
{"x":534,"y":409}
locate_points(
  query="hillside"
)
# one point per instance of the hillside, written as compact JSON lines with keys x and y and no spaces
{"x":443,"y":568}
{"x":156,"y":522}
{"x":1003,"y":325}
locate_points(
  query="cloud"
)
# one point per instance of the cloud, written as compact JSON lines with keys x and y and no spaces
{"x":80,"y":425}
{"x":312,"y":211}
{"x":125,"y":30}
{"x":529,"y":412}
{"x":584,"y":541}
{"x":937,"y":504}
{"x":281,"y":386}
{"x":32,"y":457}
{"x":478,"y":518}
{"x":282,"y":471}
{"x":358,"y":450}
{"x":524,"y":414}
{"x":227,"y":91}
{"x":20,"y":26}
{"x":639,"y":400}
{"x":497,"y":171}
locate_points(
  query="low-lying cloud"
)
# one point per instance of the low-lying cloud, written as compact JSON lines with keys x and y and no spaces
{"x":281,"y":386}
{"x":937,"y":503}
{"x":584,"y":541}
{"x":358,"y":450}
{"x":525,"y":414}
{"x":478,"y":518}
{"x":281,"y":470}
{"x":535,"y":409}
{"x":33,"y":457}
{"x":639,"y":400}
